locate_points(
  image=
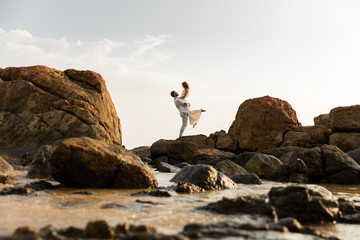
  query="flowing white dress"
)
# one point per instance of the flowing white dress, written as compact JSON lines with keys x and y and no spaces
{"x":194,"y":115}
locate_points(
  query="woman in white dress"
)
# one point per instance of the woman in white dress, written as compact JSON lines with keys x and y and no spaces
{"x":194,"y":115}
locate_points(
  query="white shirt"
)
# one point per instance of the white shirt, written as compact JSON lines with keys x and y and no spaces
{"x":180,"y":105}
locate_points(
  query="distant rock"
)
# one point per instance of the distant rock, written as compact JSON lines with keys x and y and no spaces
{"x":39,"y":167}
{"x":86,"y":162}
{"x":40,"y":105}
{"x":224,"y":141}
{"x":142,"y":152}
{"x":166,"y":167}
{"x":308,"y":136}
{"x":246,"y":178}
{"x":204,"y":176}
{"x":260,"y":123}
{"x":345,"y":119}
{"x":7,"y":172}
{"x":323,"y":120}
{"x":229,"y":168}
{"x":267,"y":166}
{"x":346,"y":141}
{"x":185,"y":187}
{"x":211,"y":156}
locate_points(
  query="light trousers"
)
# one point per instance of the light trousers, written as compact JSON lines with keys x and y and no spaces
{"x":185,"y":117}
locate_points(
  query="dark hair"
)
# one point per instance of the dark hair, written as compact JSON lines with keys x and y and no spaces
{"x":185,"y":85}
{"x":173,"y":93}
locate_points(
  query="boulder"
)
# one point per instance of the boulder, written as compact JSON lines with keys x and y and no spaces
{"x":298,"y":171}
{"x":211,"y":156}
{"x":159,"y":160}
{"x":355,"y":155}
{"x":242,"y":158}
{"x":159,"y":148}
{"x":267,"y":166}
{"x":345,"y":119}
{"x":204,"y":176}
{"x":260,"y":123}
{"x":243,"y":204}
{"x":40,"y":105}
{"x":229,"y":168}
{"x":7,"y":172}
{"x":323,"y":120}
{"x":339,"y":168}
{"x":86,"y":162}
{"x":183,"y":149}
{"x":309,"y":136}
{"x":185,"y":187}
{"x":142,"y":152}
{"x":166,"y":167}
{"x":224,"y":141}
{"x":309,"y":205}
{"x":346,"y":141}
{"x":246,"y":178}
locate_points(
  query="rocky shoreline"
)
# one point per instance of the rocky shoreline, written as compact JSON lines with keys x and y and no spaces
{"x":62,"y":127}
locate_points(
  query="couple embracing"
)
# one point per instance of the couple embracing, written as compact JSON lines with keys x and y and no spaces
{"x":183,"y":105}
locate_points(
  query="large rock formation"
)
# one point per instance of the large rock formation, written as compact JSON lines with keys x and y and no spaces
{"x":260,"y":123}
{"x":39,"y":105}
{"x":86,"y":162}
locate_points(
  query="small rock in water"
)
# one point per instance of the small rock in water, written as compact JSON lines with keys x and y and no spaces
{"x":184,"y":187}
{"x":156,"y":193}
{"x":16,"y":191}
{"x":40,"y":185}
{"x":98,"y":229}
{"x":83,"y":193}
{"x":112,"y":205}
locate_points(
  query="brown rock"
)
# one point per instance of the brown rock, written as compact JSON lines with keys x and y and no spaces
{"x":211,"y":156}
{"x":261,"y":122}
{"x":345,"y":119}
{"x":39,"y":105}
{"x":86,"y":162}
{"x":322,"y":120}
{"x":7,"y":173}
{"x":224,"y":141}
{"x":142,"y":152}
{"x":229,"y":168}
{"x":309,"y":136}
{"x":345,"y":141}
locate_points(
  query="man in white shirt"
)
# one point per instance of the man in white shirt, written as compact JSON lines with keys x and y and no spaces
{"x":182,"y":107}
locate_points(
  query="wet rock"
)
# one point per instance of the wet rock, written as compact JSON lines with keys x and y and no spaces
{"x":155,"y":193}
{"x":49,"y":232}
{"x":307,"y":205}
{"x":159,"y":160}
{"x":86,"y":162}
{"x":142,"y":152}
{"x":348,"y":207}
{"x":182,"y":165}
{"x":112,"y":206}
{"x":7,"y":172}
{"x":41,"y":105}
{"x":184,"y":187}
{"x":260,"y":123}
{"x":40,"y":185}
{"x":83,"y":193}
{"x":267,"y":166}
{"x":339,"y":168}
{"x":246,"y":178}
{"x":205,"y":176}
{"x":98,"y":229}
{"x":166,"y":167}
{"x":242,"y":204}
{"x":25,"y":233}
{"x":16,"y":191}
{"x":346,"y":141}
{"x":229,"y":168}
{"x":147,"y":202}
{"x":242,"y":158}
{"x":71,"y":232}
{"x":39,"y":167}
{"x":299,"y":171}
{"x":350,"y":218}
{"x":211,"y":156}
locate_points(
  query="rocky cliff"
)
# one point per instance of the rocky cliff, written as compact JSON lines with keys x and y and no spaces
{"x":39,"y":105}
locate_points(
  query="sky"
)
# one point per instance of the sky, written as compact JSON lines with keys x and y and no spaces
{"x":305,"y":52}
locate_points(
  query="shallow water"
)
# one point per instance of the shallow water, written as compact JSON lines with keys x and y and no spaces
{"x":63,"y":208}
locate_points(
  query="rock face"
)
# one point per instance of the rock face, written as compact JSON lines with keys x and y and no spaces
{"x":7,"y":173}
{"x":40,"y":105}
{"x":309,"y":136}
{"x":260,"y":123}
{"x":204,"y":176}
{"x":345,"y":119}
{"x":86,"y":162}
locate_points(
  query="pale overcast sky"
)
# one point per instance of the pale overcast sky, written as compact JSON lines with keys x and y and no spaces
{"x":303,"y":51}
